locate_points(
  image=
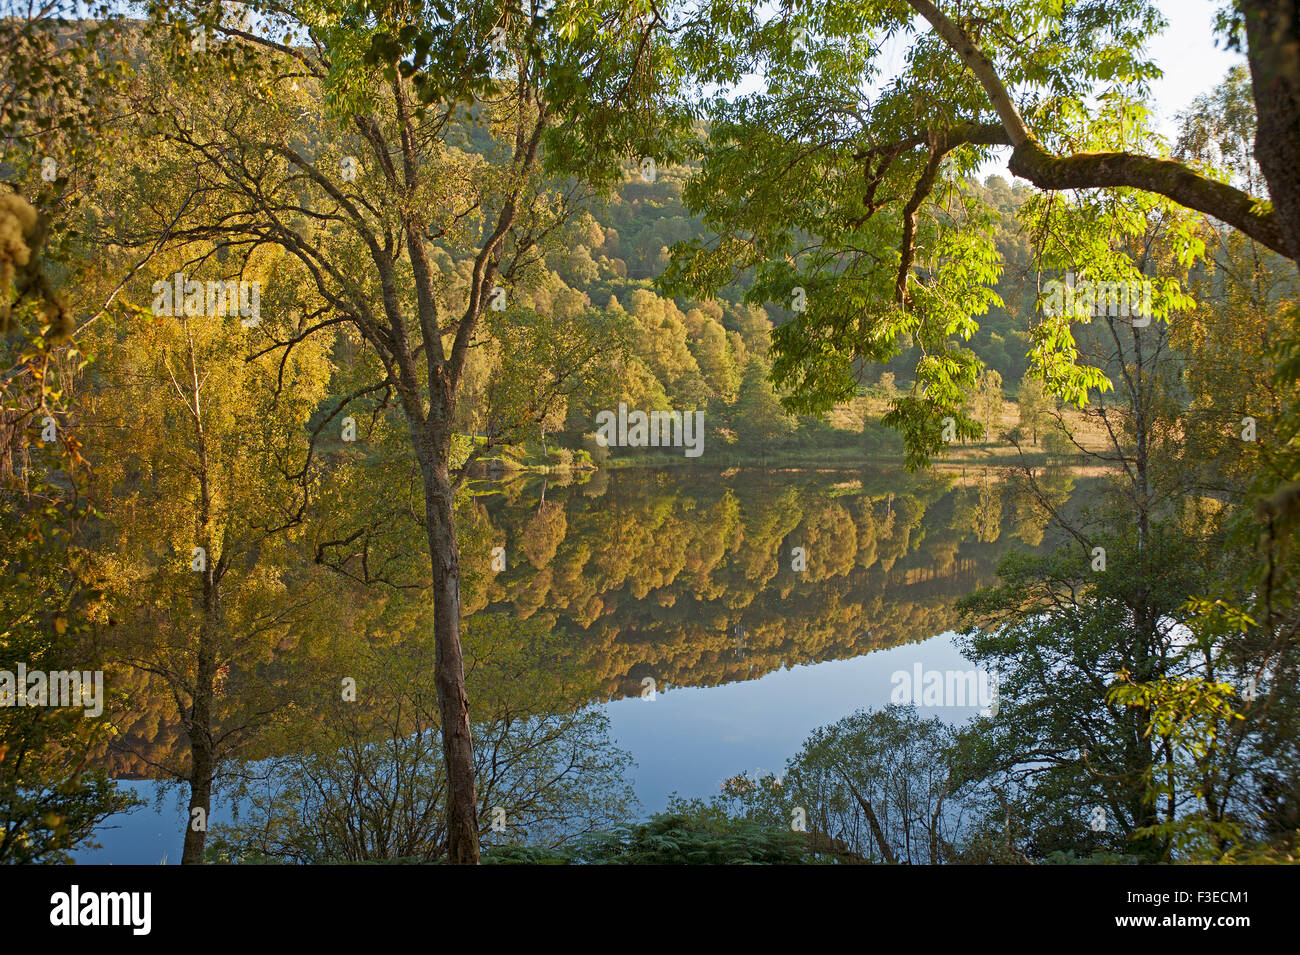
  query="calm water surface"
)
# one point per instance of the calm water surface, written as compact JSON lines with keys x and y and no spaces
{"x":692,"y":579}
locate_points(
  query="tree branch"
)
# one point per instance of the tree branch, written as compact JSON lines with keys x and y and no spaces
{"x":1166,"y":177}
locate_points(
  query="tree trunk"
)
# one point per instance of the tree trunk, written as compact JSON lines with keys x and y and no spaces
{"x":1273,"y":50}
{"x":453,"y":701}
{"x":1146,"y":615}
{"x":202,"y":758}
{"x":200,"y":798}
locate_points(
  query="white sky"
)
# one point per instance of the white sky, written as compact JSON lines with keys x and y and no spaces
{"x":1186,"y":52}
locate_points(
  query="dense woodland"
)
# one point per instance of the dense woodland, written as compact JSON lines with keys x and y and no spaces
{"x":348,"y":550}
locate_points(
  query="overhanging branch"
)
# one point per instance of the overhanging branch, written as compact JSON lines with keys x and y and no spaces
{"x":1032,"y":161}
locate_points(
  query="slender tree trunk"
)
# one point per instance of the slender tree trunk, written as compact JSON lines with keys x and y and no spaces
{"x":203,"y":758}
{"x":1146,"y":617}
{"x":453,"y":701}
{"x":202,"y":769}
{"x":203,"y":761}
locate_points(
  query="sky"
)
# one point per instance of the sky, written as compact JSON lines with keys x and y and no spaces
{"x":1192,"y":64}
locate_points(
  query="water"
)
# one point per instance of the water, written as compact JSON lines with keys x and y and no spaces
{"x":692,"y":580}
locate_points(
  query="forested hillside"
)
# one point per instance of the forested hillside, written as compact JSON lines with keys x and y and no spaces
{"x":683,"y":354}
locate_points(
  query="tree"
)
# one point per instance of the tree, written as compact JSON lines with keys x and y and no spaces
{"x":875,"y":786}
{"x":716,"y":361}
{"x":1269,"y":25}
{"x":1031,"y":404}
{"x":691,"y":833}
{"x":52,"y":798}
{"x":854,"y":213}
{"x":661,"y":343}
{"x":988,"y":401}
{"x":197,"y":448}
{"x":1272,"y":28}
{"x":758,"y":412}
{"x":342,"y":149}
{"x":53,"y":89}
{"x":1107,"y":670}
